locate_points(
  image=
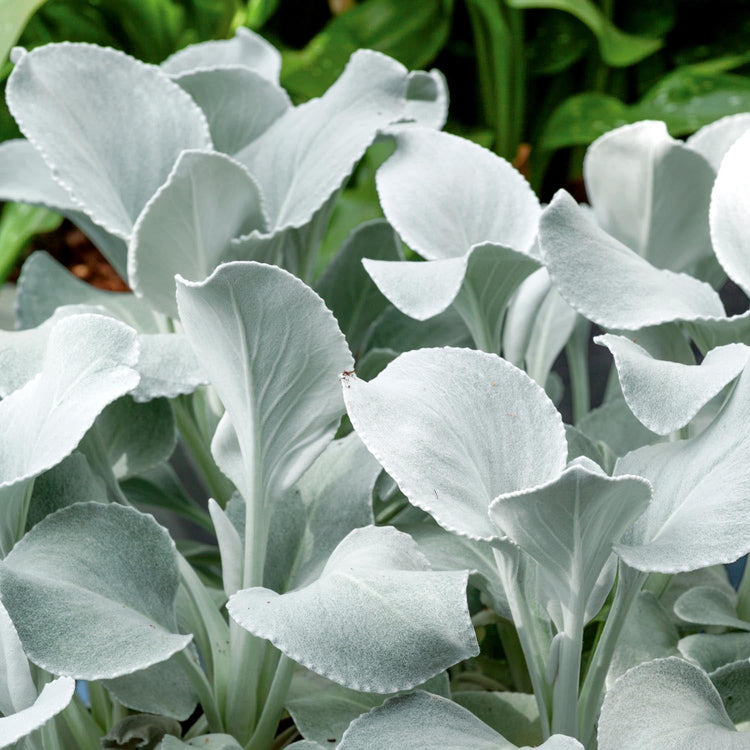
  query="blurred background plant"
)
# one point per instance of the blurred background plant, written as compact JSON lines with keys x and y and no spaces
{"x":535,"y":80}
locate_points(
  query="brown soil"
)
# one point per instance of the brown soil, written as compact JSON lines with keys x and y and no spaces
{"x":70,"y":246}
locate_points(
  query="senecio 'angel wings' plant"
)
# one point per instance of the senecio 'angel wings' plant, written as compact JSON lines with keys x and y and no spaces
{"x":459,"y":570}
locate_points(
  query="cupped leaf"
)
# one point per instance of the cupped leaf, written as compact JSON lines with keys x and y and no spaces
{"x":479,"y":285}
{"x":108,"y":98}
{"x":730,"y":213}
{"x":166,"y":363}
{"x":700,"y":512}
{"x":422,"y":721}
{"x":663,"y":395}
{"x":305,"y":156}
{"x":346,"y":288}
{"x":455,"y":428}
{"x":704,"y":605}
{"x":376,"y":620}
{"x":570,"y":524}
{"x":713,"y":141}
{"x":108,"y":603}
{"x":651,"y":192}
{"x":45,"y":285}
{"x":273,"y":352}
{"x":53,"y":699}
{"x":322,"y":710}
{"x":416,"y":189}
{"x":238,"y":103}
{"x":711,"y":651}
{"x":187,"y":225}
{"x":139,"y":731}
{"x":607,"y":282}
{"x":245,"y":49}
{"x":678,"y":708}
{"x":88,"y":363}
{"x":427,"y":95}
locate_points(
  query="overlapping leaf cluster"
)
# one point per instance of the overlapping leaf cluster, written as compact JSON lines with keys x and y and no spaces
{"x":384,"y":485}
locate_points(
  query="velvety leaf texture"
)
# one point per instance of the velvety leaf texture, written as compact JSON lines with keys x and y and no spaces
{"x":456,"y":428}
{"x":376,"y":620}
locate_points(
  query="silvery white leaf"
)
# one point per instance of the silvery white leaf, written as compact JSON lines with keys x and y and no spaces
{"x":610,"y":284}
{"x":424,"y":722}
{"x":730,"y":213}
{"x":205,"y":741}
{"x":108,"y":98}
{"x":25,"y":178}
{"x":332,"y":498}
{"x":553,"y":326}
{"x":479,"y":284}
{"x":648,"y":634}
{"x":88,"y":363}
{"x":711,"y":651}
{"x":704,"y":605}
{"x":346,"y":288}
{"x":230,"y":543}
{"x":710,"y":332}
{"x":167,"y":366}
{"x":239,"y":103}
{"x":22,"y":352}
{"x":455,"y":428}
{"x":651,"y":192}
{"x":732,"y":682}
{"x":446,"y":551}
{"x":17,"y":690}
{"x":399,"y":333}
{"x":188,"y":223}
{"x":273,"y":352}
{"x":714,"y":140}
{"x":71,"y":481}
{"x":305,"y":156}
{"x":45,"y":285}
{"x":166,"y":362}
{"x":700,"y":513}
{"x":53,"y":699}
{"x":428,"y":96}
{"x":569,"y":525}
{"x":376,"y":620}
{"x":613,"y":425}
{"x":714,"y":577}
{"x":322,"y":710}
{"x":246,"y":49}
{"x":677,"y":706}
{"x":521,"y":315}
{"x":580,"y":445}
{"x":108,"y":603}
{"x":514,"y":715}
{"x":136,"y":436}
{"x":161,"y":689}
{"x":305,"y":745}
{"x":663,"y":395}
{"x":417,"y":192}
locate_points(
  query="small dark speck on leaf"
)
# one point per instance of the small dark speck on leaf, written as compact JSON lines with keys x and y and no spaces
{"x":330,"y":740}
{"x":436,"y":495}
